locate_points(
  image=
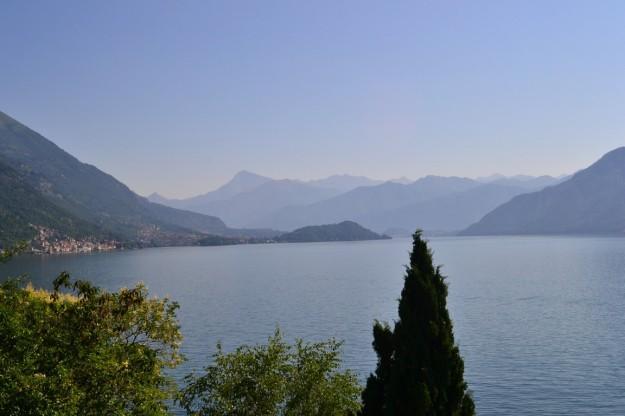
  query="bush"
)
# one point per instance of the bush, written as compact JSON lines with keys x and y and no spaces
{"x":274,"y":379}
{"x":88,"y":352}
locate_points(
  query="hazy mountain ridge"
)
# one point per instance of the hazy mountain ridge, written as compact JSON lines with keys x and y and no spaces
{"x":592,"y":201}
{"x":432,"y":203}
{"x":243,"y":209}
{"x":243,"y":181}
{"x":398,"y":204}
{"x":361,"y":203}
{"x":447,"y":213}
{"x":247,"y":197}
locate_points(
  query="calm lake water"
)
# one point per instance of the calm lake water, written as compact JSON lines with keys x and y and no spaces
{"x":540,"y":320}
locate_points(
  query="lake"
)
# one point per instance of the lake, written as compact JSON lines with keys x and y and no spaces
{"x":540,"y":320}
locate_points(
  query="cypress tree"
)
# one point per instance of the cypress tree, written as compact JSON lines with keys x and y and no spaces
{"x":420,"y":370}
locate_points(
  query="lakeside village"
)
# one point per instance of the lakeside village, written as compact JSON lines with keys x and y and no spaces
{"x":48,"y":241}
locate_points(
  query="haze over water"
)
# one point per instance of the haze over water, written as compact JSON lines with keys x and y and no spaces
{"x":539,"y":320}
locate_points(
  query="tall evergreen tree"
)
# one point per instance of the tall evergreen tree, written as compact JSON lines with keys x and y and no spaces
{"x":420,"y":370}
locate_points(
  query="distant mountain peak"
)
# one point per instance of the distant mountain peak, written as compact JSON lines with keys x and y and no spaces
{"x":614,"y":156}
{"x":245,"y":180}
{"x":158,"y":198}
{"x":247,"y":174}
{"x":618,"y":151}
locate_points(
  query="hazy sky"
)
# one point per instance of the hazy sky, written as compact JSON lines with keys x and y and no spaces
{"x":176,"y":96}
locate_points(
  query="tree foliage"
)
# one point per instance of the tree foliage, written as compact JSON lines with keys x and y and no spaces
{"x":274,"y":379}
{"x":86,"y":352}
{"x":420,"y":370}
{"x":11,"y":251}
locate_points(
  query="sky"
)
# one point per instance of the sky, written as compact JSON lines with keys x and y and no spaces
{"x":177,"y":96}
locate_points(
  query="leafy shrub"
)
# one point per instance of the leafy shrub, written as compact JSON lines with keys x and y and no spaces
{"x":274,"y":379}
{"x":88,"y":352}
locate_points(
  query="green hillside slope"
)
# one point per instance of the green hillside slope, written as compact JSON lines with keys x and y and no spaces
{"x":93,"y":196}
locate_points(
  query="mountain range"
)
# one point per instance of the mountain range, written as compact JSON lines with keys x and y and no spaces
{"x":241,"y":182}
{"x":247,"y":208}
{"x":46,"y":186}
{"x":247,"y":198}
{"x":41,"y":185}
{"x":592,"y":201}
{"x":433,"y":203}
